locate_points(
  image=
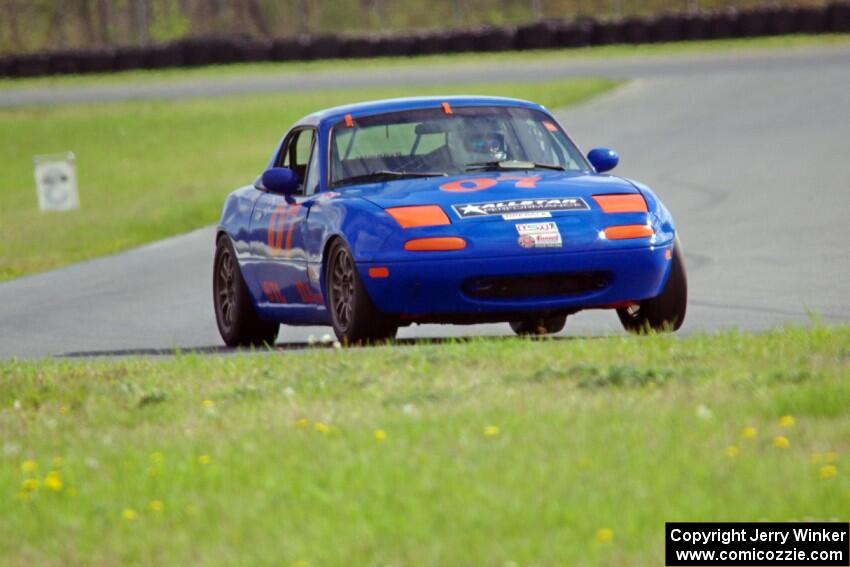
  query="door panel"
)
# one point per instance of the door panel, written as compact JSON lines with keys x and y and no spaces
{"x":277,"y":229}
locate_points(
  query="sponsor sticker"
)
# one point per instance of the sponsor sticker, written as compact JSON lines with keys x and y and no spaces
{"x":471,"y":210}
{"x":524,"y":216}
{"x":526,"y":241}
{"x":539,"y":235}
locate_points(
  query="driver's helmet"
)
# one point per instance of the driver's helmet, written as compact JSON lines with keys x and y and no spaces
{"x":489,"y":146}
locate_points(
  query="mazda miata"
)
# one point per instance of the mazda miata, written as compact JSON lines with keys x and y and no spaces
{"x":460,"y":210}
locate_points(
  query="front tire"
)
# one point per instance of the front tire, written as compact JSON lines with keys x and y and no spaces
{"x":238,"y":322}
{"x":665,"y":312}
{"x":539,"y":325}
{"x":354,"y":317}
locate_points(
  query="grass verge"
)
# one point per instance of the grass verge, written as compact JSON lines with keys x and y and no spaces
{"x":491,"y":452}
{"x":148,"y":170}
{"x":620,"y":50}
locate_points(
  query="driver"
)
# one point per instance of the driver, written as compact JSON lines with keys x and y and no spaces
{"x":485,"y":145}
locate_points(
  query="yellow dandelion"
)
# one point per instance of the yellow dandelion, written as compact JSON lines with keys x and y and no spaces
{"x":204,"y":459}
{"x":153,"y":471}
{"x":64,"y":410}
{"x":749,"y":432}
{"x":732,"y":452}
{"x":29,"y":466}
{"x":53,"y":481}
{"x":208,"y":404}
{"x":827,"y":471}
{"x":129,"y":514}
{"x":155,"y":506}
{"x":380,"y":434}
{"x":30,"y":485}
{"x":781,"y":442}
{"x":491,"y":431}
{"x":302,"y":423}
{"x":604,"y":535}
{"x":157,"y":457}
{"x":786,"y":421}
{"x":58,"y":461}
{"x":322,"y":427}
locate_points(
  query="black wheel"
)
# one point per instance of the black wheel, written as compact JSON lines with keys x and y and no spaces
{"x":665,"y":312}
{"x":353,"y":315}
{"x":238,"y":322}
{"x":539,"y":325}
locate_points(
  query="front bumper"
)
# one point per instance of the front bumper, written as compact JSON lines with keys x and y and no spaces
{"x":423,"y":287}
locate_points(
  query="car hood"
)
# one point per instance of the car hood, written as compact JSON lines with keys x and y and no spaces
{"x":453,"y":193}
{"x":521,"y":212}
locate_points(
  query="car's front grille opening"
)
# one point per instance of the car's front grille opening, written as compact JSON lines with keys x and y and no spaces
{"x":542,"y":285}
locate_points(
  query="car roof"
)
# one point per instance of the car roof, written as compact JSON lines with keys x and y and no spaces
{"x":338,"y":113}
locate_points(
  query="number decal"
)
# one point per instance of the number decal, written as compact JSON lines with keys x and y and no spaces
{"x":308,"y":295}
{"x":273,"y":229}
{"x":480,"y":184}
{"x":468,"y":185}
{"x":282,"y":220}
{"x":522,"y":181}
{"x":272,"y":291}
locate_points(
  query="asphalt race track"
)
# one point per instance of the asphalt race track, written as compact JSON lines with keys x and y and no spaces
{"x":544,"y":69}
{"x":748,"y":150}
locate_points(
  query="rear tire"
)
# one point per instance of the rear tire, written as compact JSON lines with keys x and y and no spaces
{"x":238,"y":322}
{"x":665,"y":312}
{"x":539,"y":325}
{"x":354,"y":317}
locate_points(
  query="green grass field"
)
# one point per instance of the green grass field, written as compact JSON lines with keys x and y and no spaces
{"x":149,"y":170}
{"x":683,"y":48}
{"x":489,"y":452}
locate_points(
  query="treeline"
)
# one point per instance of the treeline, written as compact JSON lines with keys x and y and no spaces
{"x":58,"y":25}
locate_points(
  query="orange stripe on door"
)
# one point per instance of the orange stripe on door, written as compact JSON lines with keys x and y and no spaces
{"x":292,"y":213}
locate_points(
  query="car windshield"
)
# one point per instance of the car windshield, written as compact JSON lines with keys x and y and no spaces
{"x":418,"y":143}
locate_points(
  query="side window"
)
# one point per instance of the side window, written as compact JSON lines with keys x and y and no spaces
{"x":311,"y":181}
{"x":542,"y":143}
{"x":297,"y":152}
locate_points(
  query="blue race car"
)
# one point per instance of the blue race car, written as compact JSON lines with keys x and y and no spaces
{"x":440,"y":210}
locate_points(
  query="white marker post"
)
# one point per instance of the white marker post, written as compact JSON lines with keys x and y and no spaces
{"x":56,"y":182}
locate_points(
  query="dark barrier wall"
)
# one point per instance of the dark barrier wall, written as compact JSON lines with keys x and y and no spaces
{"x":539,"y":35}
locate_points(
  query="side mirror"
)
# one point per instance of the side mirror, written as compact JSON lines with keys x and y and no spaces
{"x":280,"y":180}
{"x":603,"y":159}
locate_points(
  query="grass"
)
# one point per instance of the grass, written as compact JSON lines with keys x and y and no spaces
{"x":240,"y":69}
{"x":148,"y":170}
{"x":492,"y":452}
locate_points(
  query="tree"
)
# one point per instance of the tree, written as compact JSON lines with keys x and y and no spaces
{"x":139,"y":15}
{"x":12,"y":10}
